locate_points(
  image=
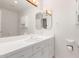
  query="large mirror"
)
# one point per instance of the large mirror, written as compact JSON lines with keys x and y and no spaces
{"x":18,"y":17}
{"x":14,"y":17}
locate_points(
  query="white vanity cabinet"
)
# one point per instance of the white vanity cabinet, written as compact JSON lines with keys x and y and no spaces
{"x":41,"y":49}
{"x":44,"y":49}
{"x":38,"y":50}
{"x":48,"y":49}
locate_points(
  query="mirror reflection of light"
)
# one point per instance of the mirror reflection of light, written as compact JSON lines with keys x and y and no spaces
{"x":49,"y":12}
{"x":35,"y":1}
{"x":16,"y":2}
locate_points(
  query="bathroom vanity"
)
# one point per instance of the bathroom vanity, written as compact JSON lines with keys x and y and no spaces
{"x":19,"y":18}
{"x":27,"y":46}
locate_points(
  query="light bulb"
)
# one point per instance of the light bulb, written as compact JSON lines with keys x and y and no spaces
{"x":16,"y":2}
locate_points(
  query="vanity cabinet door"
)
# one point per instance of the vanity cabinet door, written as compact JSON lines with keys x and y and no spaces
{"x":41,"y":49}
{"x":37,"y":54}
{"x":27,"y":52}
{"x":45,"y":52}
{"x":48,"y":49}
{"x":37,"y":47}
{"x":37,"y":50}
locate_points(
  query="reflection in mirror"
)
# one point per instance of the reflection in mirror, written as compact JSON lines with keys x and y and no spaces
{"x":13,"y":17}
{"x":47,"y":21}
{"x":44,"y":23}
{"x":39,"y":17}
{"x":43,"y":20}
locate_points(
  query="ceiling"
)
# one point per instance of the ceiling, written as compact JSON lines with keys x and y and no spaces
{"x":21,"y":6}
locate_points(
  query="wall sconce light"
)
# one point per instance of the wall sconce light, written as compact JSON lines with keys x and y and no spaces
{"x":33,"y":2}
{"x":49,"y":12}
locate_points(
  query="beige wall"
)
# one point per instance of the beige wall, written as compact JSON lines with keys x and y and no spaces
{"x":65,"y":27}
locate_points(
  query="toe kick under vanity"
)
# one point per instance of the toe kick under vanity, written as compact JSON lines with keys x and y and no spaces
{"x":27,"y":46}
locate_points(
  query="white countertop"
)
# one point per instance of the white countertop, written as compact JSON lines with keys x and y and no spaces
{"x":10,"y":44}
